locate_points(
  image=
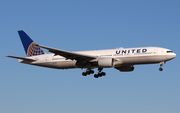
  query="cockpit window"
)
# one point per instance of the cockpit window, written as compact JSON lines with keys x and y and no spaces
{"x":169,"y":51}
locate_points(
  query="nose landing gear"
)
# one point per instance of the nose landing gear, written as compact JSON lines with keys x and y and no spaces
{"x":161,"y":64}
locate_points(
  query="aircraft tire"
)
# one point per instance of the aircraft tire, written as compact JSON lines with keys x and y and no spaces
{"x":96,"y":76}
{"x":88,"y":72}
{"x":103,"y":73}
{"x":100,"y":74}
{"x":84,"y":74}
{"x":160,"y":69}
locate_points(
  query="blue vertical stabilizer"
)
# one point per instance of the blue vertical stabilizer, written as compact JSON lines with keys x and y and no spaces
{"x":29,"y":45}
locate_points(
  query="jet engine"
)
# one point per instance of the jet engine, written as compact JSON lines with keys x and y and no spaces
{"x":125,"y":68}
{"x":106,"y":62}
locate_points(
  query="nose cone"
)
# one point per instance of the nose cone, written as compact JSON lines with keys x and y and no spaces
{"x":172,"y":56}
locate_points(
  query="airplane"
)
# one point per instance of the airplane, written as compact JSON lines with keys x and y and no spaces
{"x":122,"y":59}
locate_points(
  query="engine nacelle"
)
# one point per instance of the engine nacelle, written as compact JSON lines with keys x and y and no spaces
{"x":106,"y":62}
{"x":126,"y":68}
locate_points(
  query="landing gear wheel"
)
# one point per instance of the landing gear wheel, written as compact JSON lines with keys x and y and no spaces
{"x":88,"y":72}
{"x":100,"y":74}
{"x":160,"y":69}
{"x":84,"y":74}
{"x":96,"y":76}
{"x":103,"y":73}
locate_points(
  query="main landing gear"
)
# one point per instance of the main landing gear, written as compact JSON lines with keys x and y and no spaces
{"x":100,"y":74}
{"x":89,"y":71}
{"x":161,"y":64}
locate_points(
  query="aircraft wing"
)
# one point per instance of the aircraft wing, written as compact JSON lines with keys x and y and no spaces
{"x":22,"y":58}
{"x":68,"y":54}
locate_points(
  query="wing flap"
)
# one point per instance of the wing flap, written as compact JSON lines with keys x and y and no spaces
{"x":68,"y":54}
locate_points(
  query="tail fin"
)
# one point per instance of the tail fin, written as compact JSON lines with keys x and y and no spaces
{"x":29,"y":45}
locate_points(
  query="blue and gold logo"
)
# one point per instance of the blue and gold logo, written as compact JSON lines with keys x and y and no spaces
{"x":34,"y":50}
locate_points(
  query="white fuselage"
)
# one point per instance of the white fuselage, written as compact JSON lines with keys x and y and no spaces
{"x":126,"y":56}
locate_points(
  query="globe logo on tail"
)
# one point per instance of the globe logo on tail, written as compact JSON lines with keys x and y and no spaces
{"x":34,"y":50}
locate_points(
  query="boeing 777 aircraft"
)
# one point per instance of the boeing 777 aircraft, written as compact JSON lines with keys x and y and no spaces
{"x":122,"y":59}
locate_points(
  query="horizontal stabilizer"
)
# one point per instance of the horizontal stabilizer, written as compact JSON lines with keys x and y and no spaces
{"x":22,"y":58}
